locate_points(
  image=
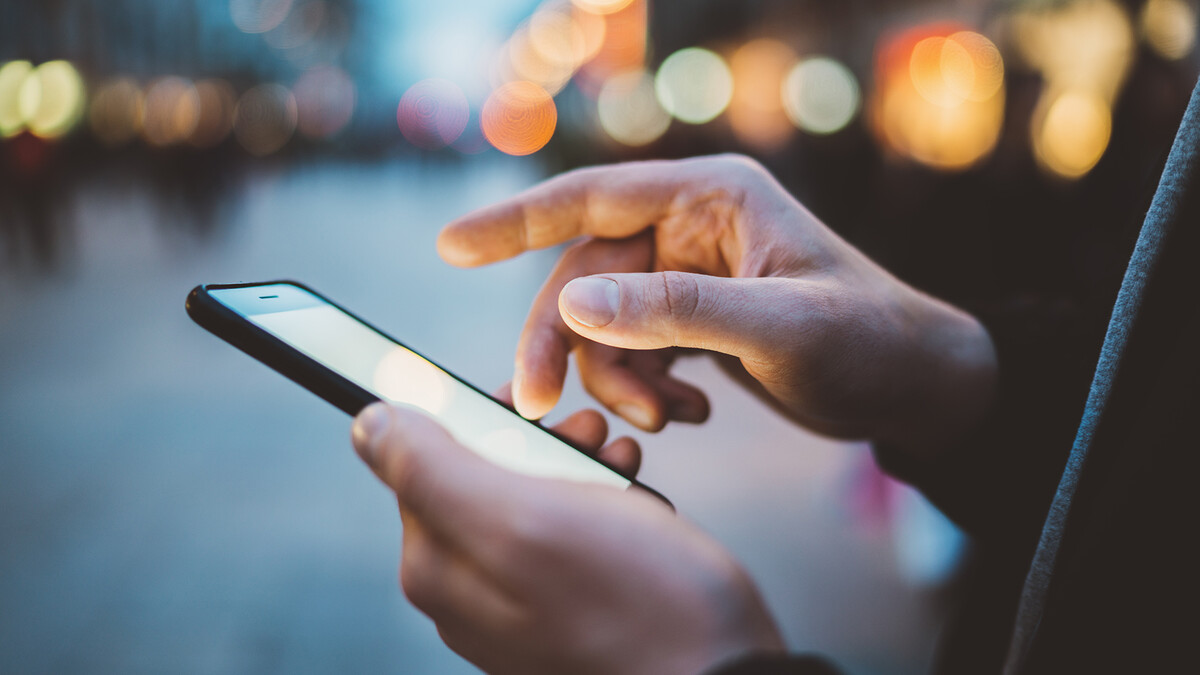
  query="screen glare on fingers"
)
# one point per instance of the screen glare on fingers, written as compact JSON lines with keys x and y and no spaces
{"x":433,"y":113}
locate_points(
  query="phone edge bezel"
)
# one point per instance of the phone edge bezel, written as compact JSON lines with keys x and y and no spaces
{"x":327,"y":384}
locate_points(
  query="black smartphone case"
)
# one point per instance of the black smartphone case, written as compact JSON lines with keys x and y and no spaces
{"x":308,"y":373}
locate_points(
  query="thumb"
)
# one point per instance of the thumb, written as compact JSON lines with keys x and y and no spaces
{"x":454,"y":492}
{"x":747,"y":318}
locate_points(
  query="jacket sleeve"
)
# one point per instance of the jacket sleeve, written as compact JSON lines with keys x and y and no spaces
{"x":998,"y":482}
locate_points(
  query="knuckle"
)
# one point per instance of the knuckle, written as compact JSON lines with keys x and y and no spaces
{"x":681,"y":294}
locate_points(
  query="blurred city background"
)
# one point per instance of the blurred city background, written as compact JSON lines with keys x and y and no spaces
{"x":166,"y":505}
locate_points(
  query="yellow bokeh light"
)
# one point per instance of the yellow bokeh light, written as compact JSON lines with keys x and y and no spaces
{"x":558,"y":38}
{"x":756,"y":112}
{"x":601,"y":6}
{"x":519,"y":118}
{"x":1169,"y":27}
{"x":694,"y":85}
{"x":265,"y":119}
{"x":629,"y":111}
{"x":1082,"y":45}
{"x":115,"y":114}
{"x":1071,"y":134}
{"x":12,"y":75}
{"x":521,"y":61}
{"x":218,"y":100}
{"x":821,"y":95}
{"x":172,"y":111}
{"x":51,"y":99}
{"x":404,"y":377}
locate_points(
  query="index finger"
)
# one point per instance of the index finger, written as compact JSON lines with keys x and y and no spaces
{"x":609,"y":201}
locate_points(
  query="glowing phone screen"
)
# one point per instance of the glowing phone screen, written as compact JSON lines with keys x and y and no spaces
{"x":397,"y":374}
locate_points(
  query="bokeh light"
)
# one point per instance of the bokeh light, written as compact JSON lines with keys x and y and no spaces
{"x":1169,"y":27}
{"x":265,"y":119}
{"x":299,"y":26}
{"x":1084,"y":51}
{"x":520,"y":60}
{"x":115,"y":113}
{"x":629,"y":111}
{"x":51,"y":99}
{"x":694,"y":85}
{"x":172,"y":111}
{"x":433,"y":113}
{"x":1072,"y":132}
{"x":939,"y":96}
{"x":519,"y":118}
{"x":821,"y":96}
{"x":756,"y":111}
{"x":218,"y":101}
{"x":601,"y":6}
{"x":622,"y":44}
{"x":558,"y":37}
{"x":325,"y":97}
{"x":12,"y":75}
{"x":1082,"y":45}
{"x":258,"y":16}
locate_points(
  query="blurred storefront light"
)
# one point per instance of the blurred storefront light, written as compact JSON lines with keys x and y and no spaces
{"x":1084,"y":51}
{"x":694,"y":85}
{"x":116,"y":110}
{"x":1071,"y":132}
{"x":171,"y":112}
{"x":623,"y":46}
{"x":325,"y":98}
{"x":258,"y":16}
{"x":1169,"y":27}
{"x":756,"y":111}
{"x":939,"y":96}
{"x":218,"y":101}
{"x":51,"y":99}
{"x":821,"y":95}
{"x":519,"y":118}
{"x":433,"y":113}
{"x":12,"y":75}
{"x":265,"y":119}
{"x":629,"y":111}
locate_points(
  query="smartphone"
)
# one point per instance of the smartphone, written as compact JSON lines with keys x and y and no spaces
{"x":351,"y":364}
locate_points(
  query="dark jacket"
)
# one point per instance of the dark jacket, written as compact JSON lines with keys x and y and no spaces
{"x":1108,"y":541}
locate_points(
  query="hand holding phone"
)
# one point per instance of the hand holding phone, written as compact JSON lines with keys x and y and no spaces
{"x":351,"y":364}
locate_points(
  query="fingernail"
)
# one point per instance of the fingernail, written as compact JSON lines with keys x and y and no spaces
{"x":592,"y":301}
{"x":370,"y":427}
{"x":636,"y":414}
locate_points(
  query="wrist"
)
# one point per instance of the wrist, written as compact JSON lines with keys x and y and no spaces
{"x":948,"y":374}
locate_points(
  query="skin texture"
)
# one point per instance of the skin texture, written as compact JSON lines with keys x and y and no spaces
{"x":525,"y":575}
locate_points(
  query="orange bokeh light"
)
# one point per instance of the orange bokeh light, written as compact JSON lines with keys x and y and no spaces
{"x":756,"y":111}
{"x":623,"y":48}
{"x":939,"y":95}
{"x":519,"y":118}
